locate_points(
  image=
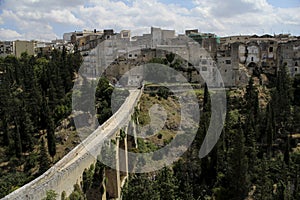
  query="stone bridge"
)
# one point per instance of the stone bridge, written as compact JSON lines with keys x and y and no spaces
{"x":68,"y":171}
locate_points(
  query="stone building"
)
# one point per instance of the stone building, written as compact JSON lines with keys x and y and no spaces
{"x":289,"y":54}
{"x":241,"y":56}
{"x":231,"y":64}
{"x":233,"y":59}
{"x":208,"y":41}
{"x":117,"y":55}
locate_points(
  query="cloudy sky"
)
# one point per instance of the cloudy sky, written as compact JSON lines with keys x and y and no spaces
{"x":49,"y":19}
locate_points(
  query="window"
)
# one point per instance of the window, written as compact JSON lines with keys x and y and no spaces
{"x":225,"y":70}
{"x":204,"y":69}
{"x":228,"y":62}
{"x":130,"y":55}
{"x":252,"y":59}
{"x":271,"y":49}
{"x":296,"y":64}
{"x":296,"y":69}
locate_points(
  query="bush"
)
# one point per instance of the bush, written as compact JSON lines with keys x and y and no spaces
{"x":163,"y":92}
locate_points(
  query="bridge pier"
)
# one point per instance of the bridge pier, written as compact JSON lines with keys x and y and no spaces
{"x":116,"y":178}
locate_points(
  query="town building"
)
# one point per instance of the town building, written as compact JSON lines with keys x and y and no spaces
{"x":289,"y":55}
{"x":24,"y":46}
{"x":6,"y":48}
{"x":233,"y":58}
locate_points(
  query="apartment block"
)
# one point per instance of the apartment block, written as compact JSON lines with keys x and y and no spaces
{"x":24,"y":46}
{"x":6,"y":48}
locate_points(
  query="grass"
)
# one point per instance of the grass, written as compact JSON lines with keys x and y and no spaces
{"x":172,"y":109}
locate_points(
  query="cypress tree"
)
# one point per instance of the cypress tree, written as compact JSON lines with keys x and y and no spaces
{"x":44,"y":161}
{"x":269,"y":129}
{"x":51,"y":137}
{"x":238,"y":167}
{"x":17,"y":139}
{"x":264,"y":184}
{"x":251,"y":97}
{"x":206,"y":99}
{"x":166,"y":184}
{"x":140,"y":186}
{"x":26,"y":129}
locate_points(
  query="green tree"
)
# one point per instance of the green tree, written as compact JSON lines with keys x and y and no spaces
{"x":281,"y":98}
{"x":51,"y":138}
{"x":63,"y":195}
{"x":163,"y":92}
{"x":50,"y":195}
{"x":140,"y":186}
{"x":26,"y":129}
{"x":238,"y":184}
{"x":264,"y":183}
{"x":77,"y":194}
{"x":251,"y":98}
{"x":103,"y":100}
{"x":17,"y":139}
{"x":87,"y":178}
{"x":166,"y":184}
{"x":206,"y":99}
{"x":270,"y":129}
{"x":44,"y":161}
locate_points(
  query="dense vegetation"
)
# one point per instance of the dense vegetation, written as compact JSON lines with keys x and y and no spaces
{"x":256,"y":155}
{"x":35,"y":95}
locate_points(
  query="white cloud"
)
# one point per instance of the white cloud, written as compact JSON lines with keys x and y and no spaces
{"x":8,"y":34}
{"x":63,"y":16}
{"x":48,"y":18}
